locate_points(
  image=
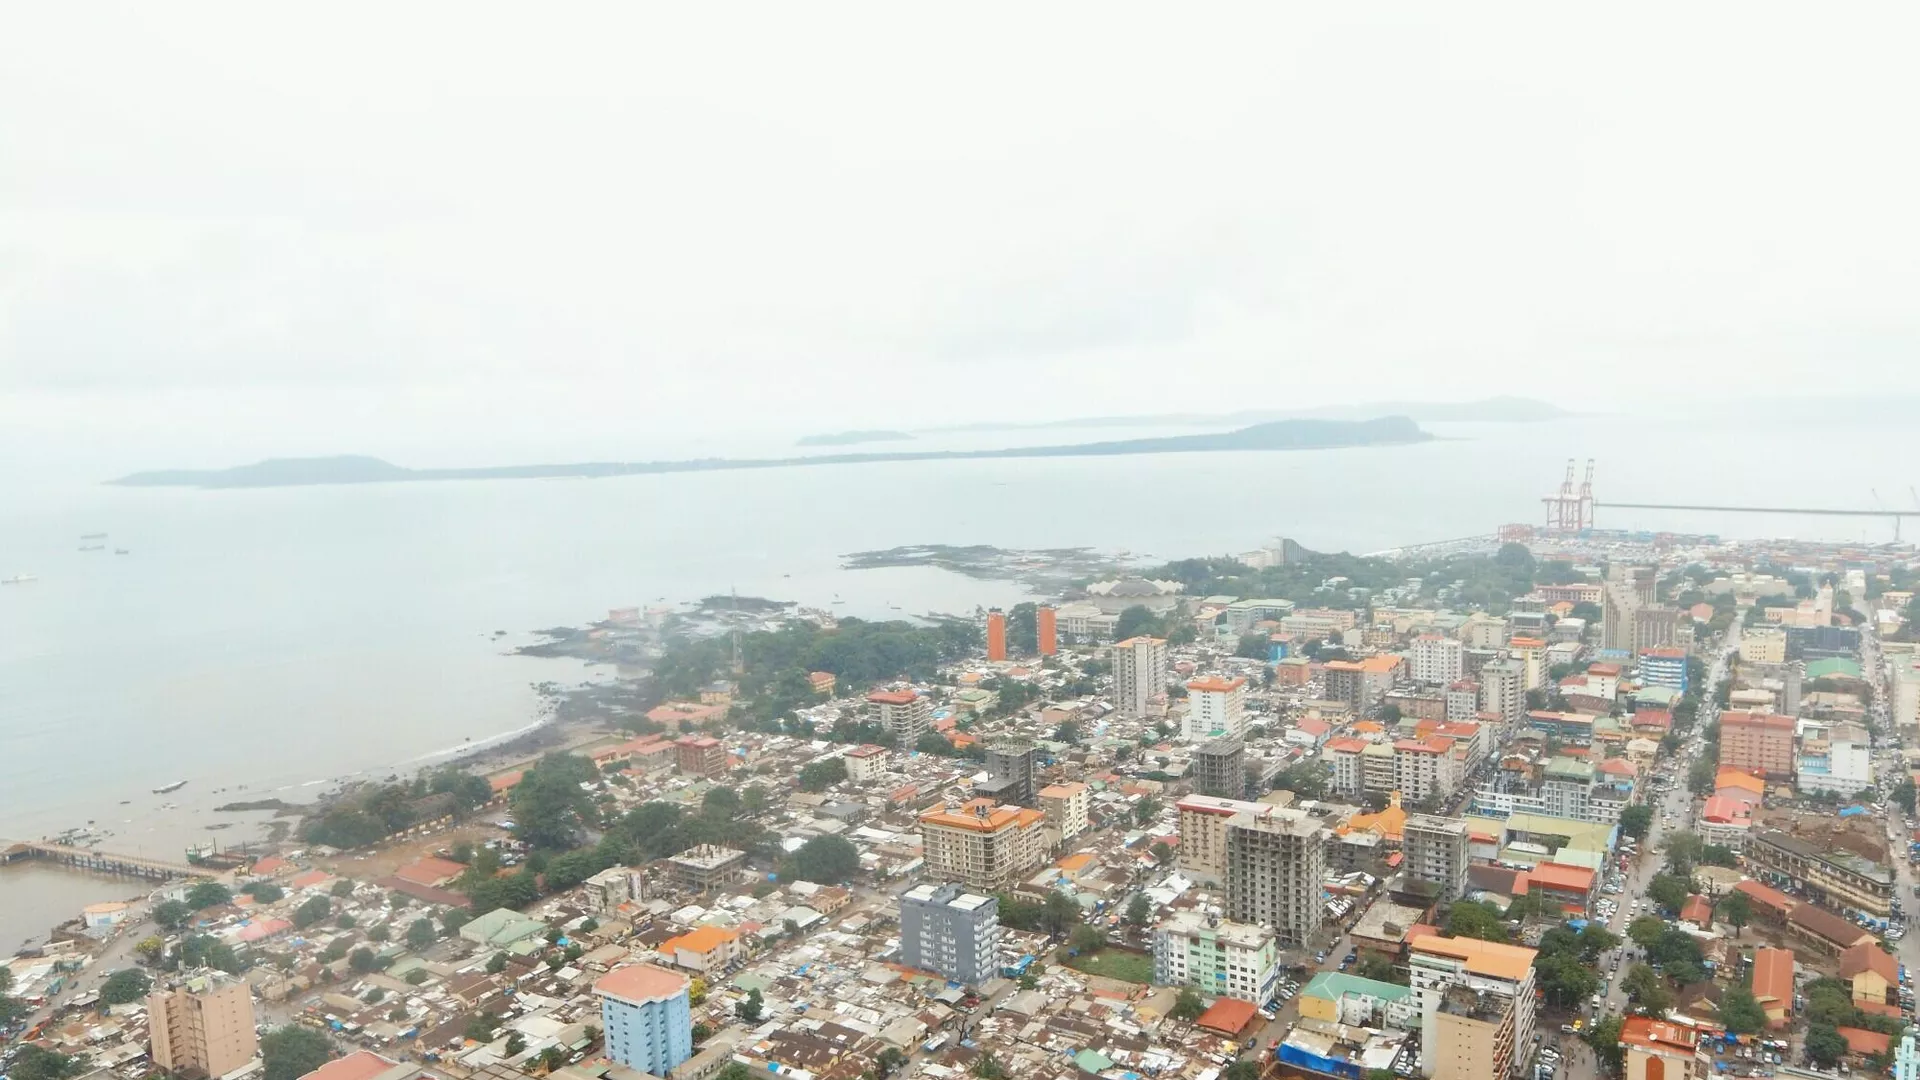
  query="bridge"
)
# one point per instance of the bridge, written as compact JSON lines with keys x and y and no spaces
{"x":101,"y":861}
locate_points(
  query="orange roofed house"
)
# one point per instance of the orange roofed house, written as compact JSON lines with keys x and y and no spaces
{"x":986,"y":846}
{"x":709,"y":948}
{"x":1773,"y":985}
{"x":1661,"y":1049}
{"x":1361,"y":683}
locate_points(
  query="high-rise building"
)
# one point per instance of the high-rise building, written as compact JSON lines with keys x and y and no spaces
{"x":1476,"y":1006}
{"x":646,"y":1017}
{"x":1531,"y":653}
{"x":1759,"y":743}
{"x":1065,"y":806}
{"x":1045,"y":630}
{"x":1438,"y":660}
{"x":1216,"y":707}
{"x":1502,"y":691}
{"x":1565,"y":786}
{"x":996,"y":635}
{"x":1139,"y":674}
{"x":1203,"y":834}
{"x":986,"y":846}
{"x":1345,"y":775}
{"x":1361,"y":683}
{"x":1664,"y":667}
{"x":1763,"y":645}
{"x":1216,"y":957}
{"x":949,"y":931}
{"x":1274,"y":865}
{"x":1436,"y":852}
{"x":203,"y":1026}
{"x":906,"y":715}
{"x":1011,"y":765}
{"x":1220,"y":768}
{"x":700,"y":755}
{"x":1463,"y":699}
{"x":1424,"y":768}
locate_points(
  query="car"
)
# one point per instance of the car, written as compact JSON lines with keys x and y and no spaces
{"x":1567,"y":1029}
{"x":1265,"y":1014}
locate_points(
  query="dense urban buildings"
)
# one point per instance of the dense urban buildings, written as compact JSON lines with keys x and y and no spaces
{"x":949,"y":931}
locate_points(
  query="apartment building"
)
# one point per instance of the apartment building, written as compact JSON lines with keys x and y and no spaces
{"x":1437,"y":660}
{"x":953,"y":932}
{"x":996,"y":635}
{"x":1531,"y":653}
{"x":988,"y":847}
{"x":202,"y":1026}
{"x":1046,"y":630}
{"x":1379,"y":768}
{"x":1274,"y":865}
{"x":905,"y":714}
{"x":1344,"y":775}
{"x":1203,"y":834}
{"x":865,"y":763}
{"x":1664,"y":667}
{"x":1564,"y":787}
{"x":646,"y":1016}
{"x":1435,"y":851}
{"x":1139,"y":674}
{"x":1476,"y":1006}
{"x":1463,"y":699}
{"x":1759,"y":743}
{"x":1423,"y":768}
{"x":1361,"y":683}
{"x":1503,"y":692}
{"x":1011,"y":766}
{"x":1216,"y":707}
{"x":1217,"y":957}
{"x":1220,"y":768}
{"x":1763,"y":645}
{"x":700,"y":755}
{"x":1065,"y":806}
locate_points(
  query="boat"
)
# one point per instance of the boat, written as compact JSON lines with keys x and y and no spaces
{"x":18,"y":579}
{"x":165,"y":789}
{"x":93,"y":536}
{"x":93,"y":547}
{"x":121,"y":551}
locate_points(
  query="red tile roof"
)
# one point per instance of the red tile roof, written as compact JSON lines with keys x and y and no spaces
{"x":359,"y":1065}
{"x":431,"y":870}
{"x":1868,"y":956}
{"x":1227,"y":1016}
{"x":1772,"y":899}
{"x":1697,"y":911}
{"x":1773,"y":976}
{"x":1865,"y":1043}
{"x":641,"y":983}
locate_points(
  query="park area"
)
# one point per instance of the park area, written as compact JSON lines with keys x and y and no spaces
{"x":1110,"y":963}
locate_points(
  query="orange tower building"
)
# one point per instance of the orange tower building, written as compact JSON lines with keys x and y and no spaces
{"x":1043,"y":624}
{"x":996,"y":635}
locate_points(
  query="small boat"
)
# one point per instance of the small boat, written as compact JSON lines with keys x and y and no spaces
{"x":169,"y":788}
{"x":121,"y":551}
{"x":18,"y":579}
{"x":93,"y":536}
{"x":93,"y":547}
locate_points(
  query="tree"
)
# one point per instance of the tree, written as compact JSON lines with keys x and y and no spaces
{"x":1254,"y":646}
{"x":125,"y":985}
{"x":293,"y":1051}
{"x":889,"y":1061}
{"x":826,"y":860}
{"x":1668,"y":891}
{"x":1736,"y":911}
{"x":150,"y":948}
{"x":452,"y":919}
{"x":1825,"y":1046}
{"x":1903,"y":791}
{"x":1604,"y":1038}
{"x":823,"y":774}
{"x":750,"y":1008}
{"x":35,"y":1062}
{"x":1646,"y":930}
{"x":988,"y":1067}
{"x":1476,"y":920}
{"x":264,"y":892}
{"x":1683,"y":853}
{"x":1700,"y":776}
{"x":496,"y":963}
{"x":1564,"y":980}
{"x":516,"y":1044}
{"x":373,"y":996}
{"x":1137,"y":621}
{"x":207,"y":894}
{"x":1826,"y":1005}
{"x":1378,"y":968}
{"x":1739,"y":1012}
{"x":1188,"y":1005}
{"x":549,"y":805}
{"x":420,"y":934}
{"x":172,"y":914}
{"x":1647,"y":990}
{"x":735,"y":1071}
{"x":720,"y":802}
{"x":1161,"y":851}
{"x":416,"y":976}
{"x":1139,"y":910}
{"x":1305,"y":779}
{"x":363,"y":960}
{"x":346,"y":921}
{"x":342,"y":888}
{"x":1596,"y":939}
{"x":1241,"y":1069}
{"x":313,"y":911}
{"x":1067,"y":732}
{"x":1636,"y":820}
{"x":1145,"y":810}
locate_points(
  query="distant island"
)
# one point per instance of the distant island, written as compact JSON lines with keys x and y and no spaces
{"x":1485,"y":410}
{"x":352,"y":469}
{"x":853,"y":438}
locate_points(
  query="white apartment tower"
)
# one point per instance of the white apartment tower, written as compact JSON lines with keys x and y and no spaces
{"x":1139,"y":674}
{"x":1216,"y":707}
{"x":1437,"y":660}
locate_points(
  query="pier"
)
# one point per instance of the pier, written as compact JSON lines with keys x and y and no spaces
{"x":101,"y":861}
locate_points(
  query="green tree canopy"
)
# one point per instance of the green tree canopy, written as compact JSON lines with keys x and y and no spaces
{"x":1668,"y":891}
{"x":293,"y":1051}
{"x":172,"y":914}
{"x":207,"y":894}
{"x":124,"y":986}
{"x":1635,"y":820}
{"x":1736,"y":910}
{"x":549,"y":806}
{"x":1139,"y":910}
{"x":264,"y":891}
{"x":1825,"y":1046}
{"x":1740,"y":1012}
{"x":1476,"y":920}
{"x":825,"y":860}
{"x":314,"y":910}
{"x":1188,"y":1005}
{"x":35,"y":1062}
{"x":420,"y":934}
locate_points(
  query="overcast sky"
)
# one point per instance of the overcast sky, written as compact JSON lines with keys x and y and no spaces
{"x":400,"y":228}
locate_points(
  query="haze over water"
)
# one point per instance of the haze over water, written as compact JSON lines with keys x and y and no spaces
{"x":280,"y":638}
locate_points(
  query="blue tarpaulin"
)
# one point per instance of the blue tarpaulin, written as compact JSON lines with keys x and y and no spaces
{"x":1853,"y":811}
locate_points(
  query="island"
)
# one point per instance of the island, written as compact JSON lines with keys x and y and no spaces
{"x":354,"y":469}
{"x":853,"y":438}
{"x":1493,"y":410}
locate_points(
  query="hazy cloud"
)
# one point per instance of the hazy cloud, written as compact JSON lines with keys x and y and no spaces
{"x":337,"y":229}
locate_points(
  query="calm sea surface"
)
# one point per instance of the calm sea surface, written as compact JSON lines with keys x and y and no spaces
{"x":282,"y":639}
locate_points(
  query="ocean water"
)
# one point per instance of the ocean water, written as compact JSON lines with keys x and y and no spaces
{"x":269,"y":642}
